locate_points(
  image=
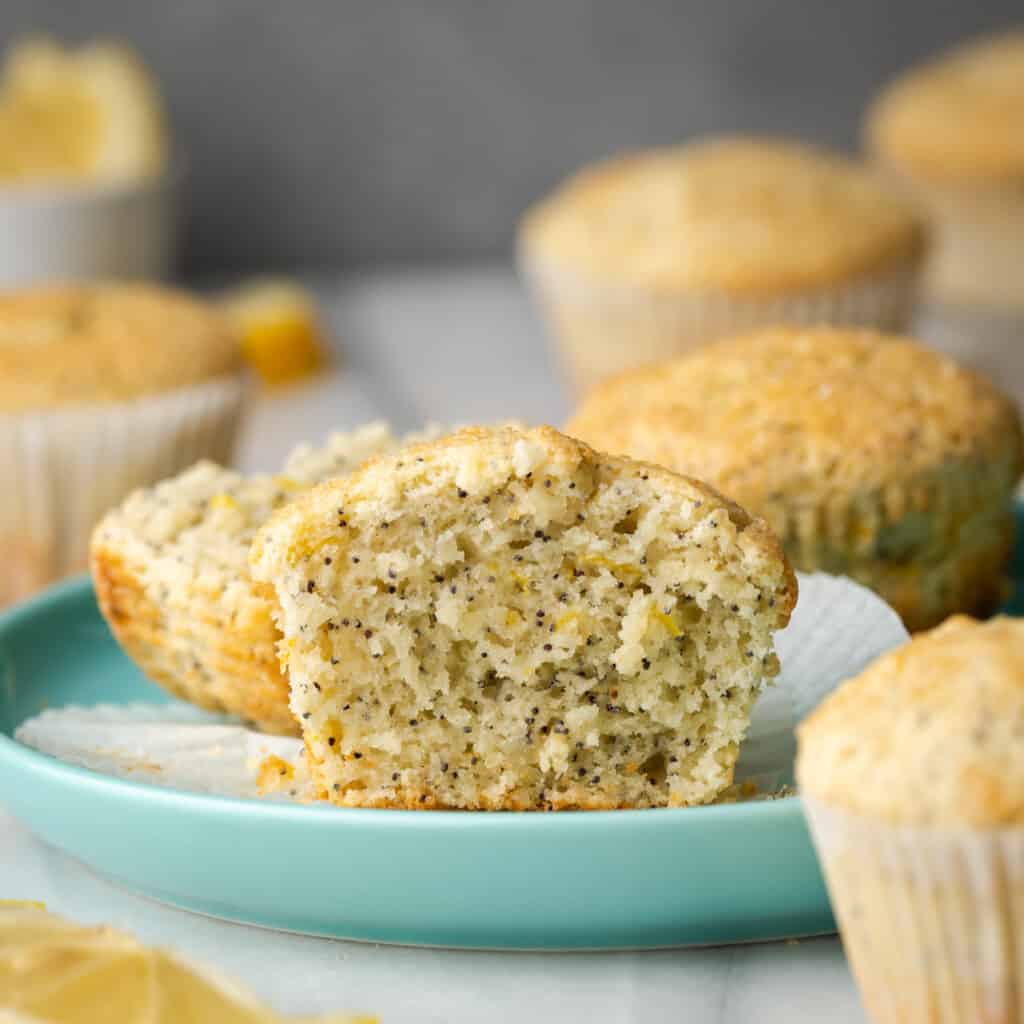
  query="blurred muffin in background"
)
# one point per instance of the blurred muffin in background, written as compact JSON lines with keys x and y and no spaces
{"x":912,"y":777}
{"x":953,"y":131}
{"x":648,"y":255}
{"x":869,"y":455}
{"x":88,"y":186}
{"x":103,"y":388}
{"x":171,"y":570}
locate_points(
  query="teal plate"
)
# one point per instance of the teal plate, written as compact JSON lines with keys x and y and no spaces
{"x":597,"y":880}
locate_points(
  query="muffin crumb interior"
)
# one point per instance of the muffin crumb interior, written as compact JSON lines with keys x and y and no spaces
{"x":508,"y":620}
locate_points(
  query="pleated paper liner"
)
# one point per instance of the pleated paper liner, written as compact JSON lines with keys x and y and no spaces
{"x":62,"y":469}
{"x":601,"y":329}
{"x":931,"y":918}
{"x":837,"y":628}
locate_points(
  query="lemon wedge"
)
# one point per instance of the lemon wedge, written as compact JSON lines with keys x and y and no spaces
{"x":278,"y":329}
{"x":54,"y":971}
{"x":88,"y":114}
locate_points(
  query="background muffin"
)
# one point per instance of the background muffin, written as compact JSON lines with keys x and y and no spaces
{"x":102,"y":388}
{"x":951,"y":130}
{"x":912,"y":775}
{"x":508,"y":620}
{"x":870,"y":455}
{"x":648,"y":255}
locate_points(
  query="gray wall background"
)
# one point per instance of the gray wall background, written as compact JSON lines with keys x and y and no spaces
{"x":352,"y":132}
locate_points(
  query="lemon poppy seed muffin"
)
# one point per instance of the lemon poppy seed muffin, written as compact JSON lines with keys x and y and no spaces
{"x":505,"y":619}
{"x":950,"y":131}
{"x":73,"y":345}
{"x":647,"y":255}
{"x":956,"y":117}
{"x":912,"y":775}
{"x":170,"y":567}
{"x":870,"y":455}
{"x":929,"y":734}
{"x":103,"y":388}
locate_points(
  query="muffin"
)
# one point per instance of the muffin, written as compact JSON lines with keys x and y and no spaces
{"x":103,"y":388}
{"x":950,"y":130}
{"x":170,"y":567}
{"x":870,"y":456}
{"x":912,"y":776}
{"x":648,"y":255}
{"x":506,"y":620}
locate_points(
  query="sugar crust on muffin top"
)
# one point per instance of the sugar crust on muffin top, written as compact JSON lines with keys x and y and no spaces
{"x":957,"y":118}
{"x":96,"y":343}
{"x":931,"y":733}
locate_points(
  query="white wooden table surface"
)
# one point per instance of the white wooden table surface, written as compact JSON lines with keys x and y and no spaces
{"x":449,"y":346}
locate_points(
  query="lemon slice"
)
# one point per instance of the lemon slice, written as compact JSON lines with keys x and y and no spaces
{"x":278,"y":329}
{"x":53,"y":971}
{"x":93,"y":113}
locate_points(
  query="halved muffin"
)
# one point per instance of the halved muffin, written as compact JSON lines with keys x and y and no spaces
{"x":506,"y":619}
{"x":171,"y":571}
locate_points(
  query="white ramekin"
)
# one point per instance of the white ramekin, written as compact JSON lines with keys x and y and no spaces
{"x":65,"y":231}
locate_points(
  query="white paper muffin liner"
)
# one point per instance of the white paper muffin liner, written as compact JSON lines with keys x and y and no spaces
{"x":931,"y":919}
{"x":601,"y":329}
{"x":62,"y":469}
{"x":837,"y":627}
{"x":977,"y":253}
{"x":173,"y":746}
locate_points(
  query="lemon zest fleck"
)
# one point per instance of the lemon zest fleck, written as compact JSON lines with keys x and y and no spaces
{"x":607,"y":563}
{"x":223,"y":501}
{"x":666,"y":620}
{"x":303,"y":549}
{"x":522,"y":582}
{"x":271,"y":771}
{"x":564,"y":620}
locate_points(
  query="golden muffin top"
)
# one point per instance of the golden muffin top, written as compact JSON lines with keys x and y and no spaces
{"x":84,"y":344}
{"x":798,"y":413}
{"x":931,"y":733}
{"x":959,"y":117}
{"x":746,"y":216}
